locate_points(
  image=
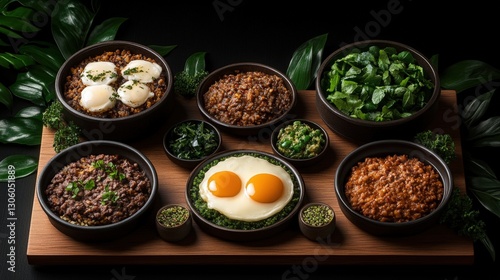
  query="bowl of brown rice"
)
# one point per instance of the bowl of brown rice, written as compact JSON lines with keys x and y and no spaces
{"x":246,"y":98}
{"x":97,"y":190}
{"x":393,"y":187}
{"x":115,"y":90}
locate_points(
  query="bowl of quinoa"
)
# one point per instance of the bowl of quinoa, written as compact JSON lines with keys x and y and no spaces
{"x":246,"y":98}
{"x":393,"y":187}
{"x":97,"y":190}
{"x":114,"y":90}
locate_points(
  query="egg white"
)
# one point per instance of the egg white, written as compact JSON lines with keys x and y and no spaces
{"x":98,"y":98}
{"x":134,"y":94}
{"x":142,"y":71}
{"x":99,"y":73}
{"x":242,"y":207}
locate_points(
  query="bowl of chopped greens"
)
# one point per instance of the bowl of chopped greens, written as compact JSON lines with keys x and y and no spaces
{"x":376,"y":89}
{"x":189,"y":142}
{"x":301,"y":142}
{"x":244,"y":195}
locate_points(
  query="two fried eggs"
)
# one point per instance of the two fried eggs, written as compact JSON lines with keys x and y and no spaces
{"x":246,"y":188}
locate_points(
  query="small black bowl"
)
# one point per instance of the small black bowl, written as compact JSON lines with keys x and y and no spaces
{"x":127,"y":128}
{"x":295,"y":160}
{"x":74,"y":153}
{"x":171,"y":135}
{"x":384,"y":148}
{"x":244,"y":67}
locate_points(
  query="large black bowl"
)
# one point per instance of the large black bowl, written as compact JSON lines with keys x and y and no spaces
{"x":125,"y":128}
{"x":73,"y":153}
{"x":363,"y":131}
{"x":242,"y":234}
{"x":383,"y":148}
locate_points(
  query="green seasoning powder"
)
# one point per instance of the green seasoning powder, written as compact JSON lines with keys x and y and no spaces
{"x":317,"y":215}
{"x":173,"y":216}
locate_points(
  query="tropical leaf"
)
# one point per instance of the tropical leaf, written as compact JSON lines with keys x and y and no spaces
{"x":305,"y":62}
{"x":106,"y":31}
{"x":487,"y":192}
{"x":35,"y":85}
{"x":6,"y":97}
{"x":195,"y":63}
{"x":24,"y":131}
{"x":467,"y":74}
{"x":18,"y":24}
{"x":30,"y":112}
{"x":70,"y":26}
{"x":23,"y":165}
{"x":46,"y":54}
{"x":18,"y":61}
{"x":162,"y":50}
{"x":476,"y":108}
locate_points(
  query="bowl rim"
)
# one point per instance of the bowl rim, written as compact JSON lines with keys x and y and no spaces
{"x":66,"y":156}
{"x":327,"y":62}
{"x":274,"y":138}
{"x":191,"y":120}
{"x":229,"y":68}
{"x":121,"y":44}
{"x":240,"y":234}
{"x":357,"y":154}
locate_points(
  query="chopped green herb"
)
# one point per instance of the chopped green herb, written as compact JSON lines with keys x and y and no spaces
{"x":173,"y":216}
{"x":109,"y":196}
{"x":317,"y":215}
{"x":192,"y":141}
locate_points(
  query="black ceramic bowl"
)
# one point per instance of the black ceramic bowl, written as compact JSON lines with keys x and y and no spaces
{"x":74,"y":153}
{"x":384,"y":148}
{"x":361,"y":130}
{"x":172,"y":135}
{"x":214,"y":222}
{"x":131,"y":127}
{"x":299,"y":161}
{"x":244,"y":67}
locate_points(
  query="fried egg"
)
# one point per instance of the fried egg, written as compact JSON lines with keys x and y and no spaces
{"x":98,"y":98}
{"x":246,"y":188}
{"x":142,"y":71}
{"x":134,"y":94}
{"x":99,"y":73}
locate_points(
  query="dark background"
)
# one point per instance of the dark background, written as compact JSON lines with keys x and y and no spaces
{"x":269,"y":32}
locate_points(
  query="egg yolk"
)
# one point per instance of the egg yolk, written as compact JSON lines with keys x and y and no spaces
{"x":224,"y":184}
{"x":265,"y":188}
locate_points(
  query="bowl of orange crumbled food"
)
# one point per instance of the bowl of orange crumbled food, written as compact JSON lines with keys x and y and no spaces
{"x":393,"y":187}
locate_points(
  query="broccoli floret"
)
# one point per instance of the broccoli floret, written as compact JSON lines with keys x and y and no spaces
{"x":66,"y":136}
{"x":186,"y":84}
{"x":442,"y":144}
{"x":52,"y":117}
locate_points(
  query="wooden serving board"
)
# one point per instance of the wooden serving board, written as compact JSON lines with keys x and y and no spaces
{"x":348,"y":245}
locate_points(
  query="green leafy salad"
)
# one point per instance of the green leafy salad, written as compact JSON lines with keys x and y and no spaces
{"x":379,"y":84}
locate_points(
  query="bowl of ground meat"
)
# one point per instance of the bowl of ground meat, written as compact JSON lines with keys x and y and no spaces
{"x":97,"y":190}
{"x":246,"y":98}
{"x":393,"y":187}
{"x":377,"y":89}
{"x":115,"y":90}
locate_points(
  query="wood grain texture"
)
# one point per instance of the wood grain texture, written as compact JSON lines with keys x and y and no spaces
{"x":348,"y":245}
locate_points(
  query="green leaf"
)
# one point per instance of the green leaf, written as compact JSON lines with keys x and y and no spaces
{"x":162,"y":50}
{"x":36,"y":85}
{"x":18,"y":166}
{"x":195,"y":63}
{"x":6,"y":97}
{"x":479,"y":167}
{"x":487,"y":192}
{"x":30,"y":112}
{"x":70,"y":26}
{"x":489,"y":128}
{"x":18,"y":24}
{"x":467,"y":74}
{"x":19,"y":12}
{"x":305,"y":62}
{"x":476,"y":109}
{"x":18,"y":61}
{"x":485,"y":240}
{"x":10,"y":33}
{"x":105,"y":31}
{"x":46,"y":54}
{"x":24,"y":131}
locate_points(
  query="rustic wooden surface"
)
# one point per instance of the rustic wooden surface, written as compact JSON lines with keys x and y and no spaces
{"x":348,"y":245}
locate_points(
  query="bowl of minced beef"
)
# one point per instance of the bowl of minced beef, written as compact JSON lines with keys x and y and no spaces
{"x":247,"y":98}
{"x":97,"y":190}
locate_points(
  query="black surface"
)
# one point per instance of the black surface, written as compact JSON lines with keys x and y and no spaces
{"x":269,"y":32}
